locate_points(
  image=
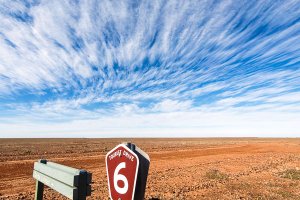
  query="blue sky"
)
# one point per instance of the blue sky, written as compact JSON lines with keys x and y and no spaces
{"x":149,"y":68}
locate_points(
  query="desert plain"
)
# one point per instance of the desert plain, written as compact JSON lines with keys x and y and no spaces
{"x":185,"y":168}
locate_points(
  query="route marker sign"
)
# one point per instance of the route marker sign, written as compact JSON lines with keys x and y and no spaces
{"x":127,"y":169}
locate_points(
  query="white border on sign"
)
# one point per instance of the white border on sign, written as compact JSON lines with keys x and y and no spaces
{"x":137,"y":167}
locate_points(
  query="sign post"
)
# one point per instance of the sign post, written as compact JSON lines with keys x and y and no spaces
{"x":127,"y":170}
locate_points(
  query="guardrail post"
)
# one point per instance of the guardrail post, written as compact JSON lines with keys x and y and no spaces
{"x":82,"y":185}
{"x":39,"y":188}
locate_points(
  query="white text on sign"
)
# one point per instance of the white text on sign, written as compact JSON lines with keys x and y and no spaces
{"x":119,"y":154}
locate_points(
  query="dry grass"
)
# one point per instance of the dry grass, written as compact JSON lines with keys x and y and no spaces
{"x":286,"y":194}
{"x":292,"y":174}
{"x":216,"y":175}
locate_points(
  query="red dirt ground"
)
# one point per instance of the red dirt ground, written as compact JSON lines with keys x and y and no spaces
{"x":215,"y":168}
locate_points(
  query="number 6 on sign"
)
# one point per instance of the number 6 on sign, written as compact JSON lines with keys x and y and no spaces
{"x":120,"y":177}
{"x":122,"y":166}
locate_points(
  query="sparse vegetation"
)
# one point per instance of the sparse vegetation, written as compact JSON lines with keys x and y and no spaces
{"x":292,"y":174}
{"x":216,"y":175}
{"x":27,"y":152}
{"x":286,"y":194}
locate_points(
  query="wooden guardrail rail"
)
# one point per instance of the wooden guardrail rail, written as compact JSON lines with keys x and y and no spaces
{"x":70,"y":182}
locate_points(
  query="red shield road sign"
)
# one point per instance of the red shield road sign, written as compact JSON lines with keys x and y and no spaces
{"x":122,"y":167}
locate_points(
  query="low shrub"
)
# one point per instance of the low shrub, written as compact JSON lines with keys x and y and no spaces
{"x":216,"y":175}
{"x":292,"y":174}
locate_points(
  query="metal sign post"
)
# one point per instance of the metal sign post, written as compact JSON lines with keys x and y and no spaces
{"x":127,"y":170}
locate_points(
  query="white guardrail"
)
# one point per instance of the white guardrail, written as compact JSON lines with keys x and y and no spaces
{"x":70,"y":182}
